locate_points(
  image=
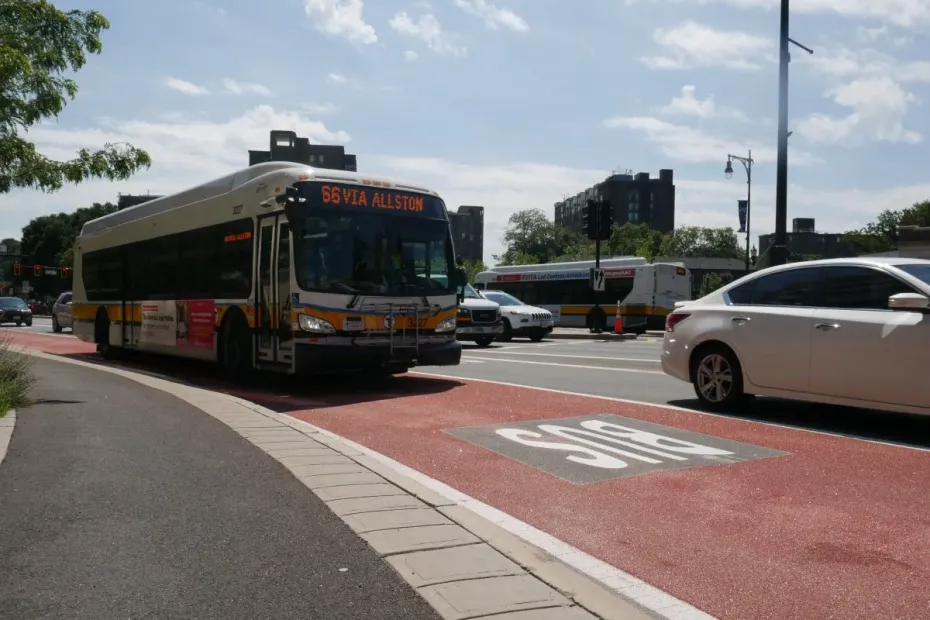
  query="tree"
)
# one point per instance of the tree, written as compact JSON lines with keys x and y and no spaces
{"x":699,"y":242}
{"x":40,"y":44}
{"x":710,"y":283}
{"x":531,"y":238}
{"x":882,"y":234}
{"x":8,"y":259}
{"x":473,"y":268}
{"x":49,"y":239}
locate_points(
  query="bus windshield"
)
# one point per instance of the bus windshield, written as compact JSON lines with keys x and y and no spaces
{"x":371,"y":251}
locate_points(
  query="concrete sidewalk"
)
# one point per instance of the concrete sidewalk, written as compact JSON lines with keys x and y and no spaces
{"x":121,"y":501}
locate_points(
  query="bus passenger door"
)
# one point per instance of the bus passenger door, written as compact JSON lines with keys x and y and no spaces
{"x":273,"y":299}
{"x":265,"y":312}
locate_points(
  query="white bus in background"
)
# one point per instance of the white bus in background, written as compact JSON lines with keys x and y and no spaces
{"x":646,"y":292}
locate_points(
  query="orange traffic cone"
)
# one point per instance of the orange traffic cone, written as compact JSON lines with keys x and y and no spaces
{"x":618,"y":321}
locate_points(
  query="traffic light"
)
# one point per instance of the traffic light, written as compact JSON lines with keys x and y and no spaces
{"x":37,"y":270}
{"x":64,"y":271}
{"x":589,"y":220}
{"x":605,"y":220}
{"x":17,"y":269}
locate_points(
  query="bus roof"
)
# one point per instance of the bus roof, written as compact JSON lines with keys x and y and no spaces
{"x":230,"y":182}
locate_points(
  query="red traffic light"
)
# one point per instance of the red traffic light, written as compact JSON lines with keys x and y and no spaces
{"x":37,"y":270}
{"x":64,"y":271}
{"x":17,"y":269}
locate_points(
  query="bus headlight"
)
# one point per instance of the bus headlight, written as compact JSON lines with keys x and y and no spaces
{"x":314,"y":324}
{"x":446,"y":325}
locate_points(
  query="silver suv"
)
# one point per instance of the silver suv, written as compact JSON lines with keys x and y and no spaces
{"x":61,"y":312}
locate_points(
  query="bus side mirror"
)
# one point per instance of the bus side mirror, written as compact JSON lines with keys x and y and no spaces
{"x":459,"y":280}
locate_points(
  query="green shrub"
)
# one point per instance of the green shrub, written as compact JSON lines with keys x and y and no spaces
{"x":15,"y":376}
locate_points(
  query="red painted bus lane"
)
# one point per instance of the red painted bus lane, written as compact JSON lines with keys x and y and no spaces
{"x":740,"y":519}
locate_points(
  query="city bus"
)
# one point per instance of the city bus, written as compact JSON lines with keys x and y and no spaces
{"x":278,"y":266}
{"x":644,"y":292}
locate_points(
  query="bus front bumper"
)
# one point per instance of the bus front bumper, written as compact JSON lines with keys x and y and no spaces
{"x":330,"y":358}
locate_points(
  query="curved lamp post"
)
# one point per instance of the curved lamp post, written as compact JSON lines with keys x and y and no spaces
{"x":728,"y":171}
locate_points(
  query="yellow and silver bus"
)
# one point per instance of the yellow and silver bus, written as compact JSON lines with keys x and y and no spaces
{"x":644,"y":292}
{"x":278,"y":266}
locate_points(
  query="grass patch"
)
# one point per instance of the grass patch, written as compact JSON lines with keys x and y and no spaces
{"x":15,"y":376}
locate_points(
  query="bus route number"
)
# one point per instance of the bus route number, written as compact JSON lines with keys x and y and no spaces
{"x":365,"y":197}
{"x":237,"y":209}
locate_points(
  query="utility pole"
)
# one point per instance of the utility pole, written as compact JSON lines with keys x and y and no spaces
{"x":779,"y":253}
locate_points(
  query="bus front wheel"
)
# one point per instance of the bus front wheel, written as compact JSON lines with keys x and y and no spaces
{"x":236,"y":345}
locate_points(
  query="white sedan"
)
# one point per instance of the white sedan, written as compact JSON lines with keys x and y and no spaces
{"x":852,"y":331}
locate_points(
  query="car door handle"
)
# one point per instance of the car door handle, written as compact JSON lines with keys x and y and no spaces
{"x":826,"y":326}
{"x":739,"y":320}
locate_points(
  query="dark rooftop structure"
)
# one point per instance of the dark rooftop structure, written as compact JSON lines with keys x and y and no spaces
{"x":130,"y":200}
{"x":286,"y":146}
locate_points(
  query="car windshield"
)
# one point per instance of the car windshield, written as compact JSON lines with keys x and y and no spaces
{"x":12,"y":302}
{"x":471,"y":293}
{"x":504,"y":299}
{"x":370,"y":250}
{"x":921,"y":271}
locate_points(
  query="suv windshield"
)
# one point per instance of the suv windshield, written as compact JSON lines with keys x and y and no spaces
{"x":918,"y":270}
{"x":471,"y":293}
{"x":386,"y":243}
{"x":504,"y":299}
{"x":12,"y":302}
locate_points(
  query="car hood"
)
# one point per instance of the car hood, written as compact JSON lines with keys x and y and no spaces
{"x":479,"y":304}
{"x":525,"y":309}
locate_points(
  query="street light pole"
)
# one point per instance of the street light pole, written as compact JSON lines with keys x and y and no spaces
{"x":728,"y":171}
{"x":779,"y":250}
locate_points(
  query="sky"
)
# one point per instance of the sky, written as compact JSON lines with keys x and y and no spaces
{"x":514,"y":104}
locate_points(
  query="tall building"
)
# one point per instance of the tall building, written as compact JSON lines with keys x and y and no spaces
{"x":805,"y":243}
{"x":286,"y":146}
{"x":468,"y":232}
{"x":633,"y":198}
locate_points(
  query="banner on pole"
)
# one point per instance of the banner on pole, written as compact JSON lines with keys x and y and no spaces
{"x":743,"y":208}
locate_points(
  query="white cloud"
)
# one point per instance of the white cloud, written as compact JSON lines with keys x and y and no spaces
{"x":188,"y":88}
{"x":410,"y":55}
{"x":905,"y":13}
{"x":493,"y":16}
{"x":878,"y":107}
{"x":337,"y":78}
{"x":341,"y":18}
{"x":871,"y":85}
{"x":241,"y":88}
{"x":691,"y":45}
{"x":428,"y":29}
{"x":696,"y":146}
{"x":687,"y":104}
{"x":318,"y":108}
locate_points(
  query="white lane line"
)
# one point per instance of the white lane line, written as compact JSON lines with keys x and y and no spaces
{"x":630,"y":401}
{"x":580,"y":357}
{"x":607,"y":368}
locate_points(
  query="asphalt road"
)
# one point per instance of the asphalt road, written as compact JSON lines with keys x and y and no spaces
{"x":630,"y":369}
{"x":120,"y":501}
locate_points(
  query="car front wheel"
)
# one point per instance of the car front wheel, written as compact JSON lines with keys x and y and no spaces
{"x":718,"y":378}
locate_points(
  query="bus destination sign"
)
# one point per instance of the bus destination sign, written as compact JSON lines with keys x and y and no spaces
{"x":379,"y":199}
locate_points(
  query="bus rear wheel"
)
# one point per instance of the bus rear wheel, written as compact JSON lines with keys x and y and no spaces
{"x":236,"y":348}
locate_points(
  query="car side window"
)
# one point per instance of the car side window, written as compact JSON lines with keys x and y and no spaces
{"x":861,"y":288}
{"x":794,"y":287}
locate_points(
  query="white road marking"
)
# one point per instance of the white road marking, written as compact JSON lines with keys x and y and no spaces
{"x":630,"y":401}
{"x":581,"y":357}
{"x":607,"y":368}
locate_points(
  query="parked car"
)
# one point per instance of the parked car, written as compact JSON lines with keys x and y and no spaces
{"x":852,"y":331}
{"x":61,"y":312}
{"x":520,"y":319}
{"x":15,"y":310}
{"x":478,"y":320}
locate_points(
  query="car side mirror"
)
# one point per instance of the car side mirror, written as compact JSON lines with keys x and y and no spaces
{"x":69,"y":303}
{"x":909,"y":301}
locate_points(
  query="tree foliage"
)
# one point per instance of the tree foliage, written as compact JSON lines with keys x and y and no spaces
{"x":530,"y":237}
{"x":473,"y":268}
{"x":49,"y":239}
{"x":41,"y":44}
{"x":882,"y":234}
{"x":710,"y":283}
